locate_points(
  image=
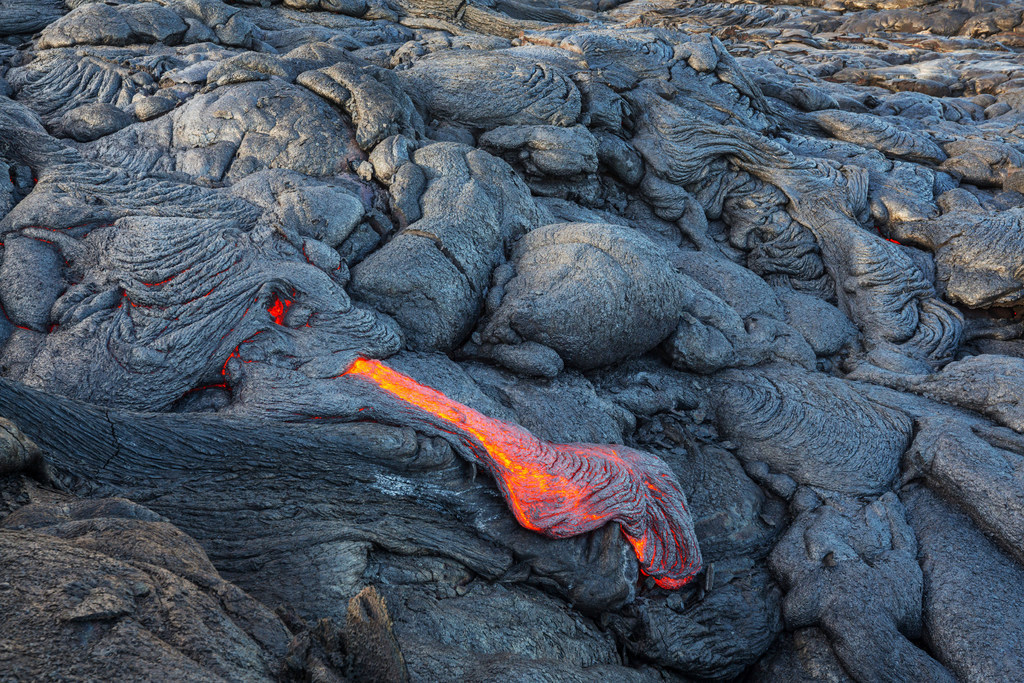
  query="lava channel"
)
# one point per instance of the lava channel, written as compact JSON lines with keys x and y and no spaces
{"x":561,"y":490}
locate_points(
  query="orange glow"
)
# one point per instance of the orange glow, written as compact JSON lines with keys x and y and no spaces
{"x":278,"y":309}
{"x":562,"y":490}
{"x":162,"y":282}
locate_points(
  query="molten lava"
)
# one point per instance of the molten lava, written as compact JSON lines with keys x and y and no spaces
{"x":278,"y":309}
{"x":561,"y":490}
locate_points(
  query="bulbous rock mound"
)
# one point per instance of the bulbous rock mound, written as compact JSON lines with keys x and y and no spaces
{"x":581,"y":340}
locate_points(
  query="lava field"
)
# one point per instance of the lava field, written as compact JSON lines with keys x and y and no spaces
{"x":503,"y":341}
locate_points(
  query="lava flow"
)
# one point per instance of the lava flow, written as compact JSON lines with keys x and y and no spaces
{"x":561,"y":490}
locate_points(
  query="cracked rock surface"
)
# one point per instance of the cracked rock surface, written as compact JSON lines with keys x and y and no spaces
{"x":767,"y":257}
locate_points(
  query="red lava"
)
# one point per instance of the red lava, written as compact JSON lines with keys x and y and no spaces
{"x":561,"y":490}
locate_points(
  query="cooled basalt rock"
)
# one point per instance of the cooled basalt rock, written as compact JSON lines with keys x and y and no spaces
{"x":28,"y":16}
{"x":61,"y":81}
{"x":979,"y":467}
{"x":131,"y":630}
{"x":977,"y":259}
{"x":169,"y":23}
{"x":161,"y":270}
{"x":92,"y":121}
{"x":106,"y":584}
{"x":493,"y":89}
{"x":960,"y":614}
{"x":432,"y":274}
{"x":804,"y":656}
{"x":766,"y":413}
{"x":237,"y":130}
{"x":556,"y":161}
{"x":372,"y":96}
{"x":824,"y":327}
{"x":32,"y":273}
{"x":597,"y":294}
{"x":852,"y":570}
{"x":20,"y":454}
{"x":984,"y":383}
{"x":353,"y":8}
{"x":873,"y":131}
{"x":534,"y":627}
{"x":679,"y":637}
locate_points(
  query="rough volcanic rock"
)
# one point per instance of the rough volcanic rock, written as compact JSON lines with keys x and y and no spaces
{"x":431,"y":275}
{"x":493,"y":89}
{"x":964,"y":623}
{"x":105,"y":584}
{"x":854,"y":572}
{"x":766,"y":413}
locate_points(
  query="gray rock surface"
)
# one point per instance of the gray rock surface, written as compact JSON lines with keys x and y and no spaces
{"x":965,"y":625}
{"x":105,"y":584}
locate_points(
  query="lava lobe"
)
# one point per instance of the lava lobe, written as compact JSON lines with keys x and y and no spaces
{"x":561,"y":490}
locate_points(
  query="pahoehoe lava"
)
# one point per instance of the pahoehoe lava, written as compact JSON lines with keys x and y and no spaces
{"x":505,"y":340}
{"x":562,"y":490}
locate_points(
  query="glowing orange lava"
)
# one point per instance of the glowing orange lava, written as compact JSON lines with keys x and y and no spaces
{"x":562,"y":490}
{"x":278,"y":309}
